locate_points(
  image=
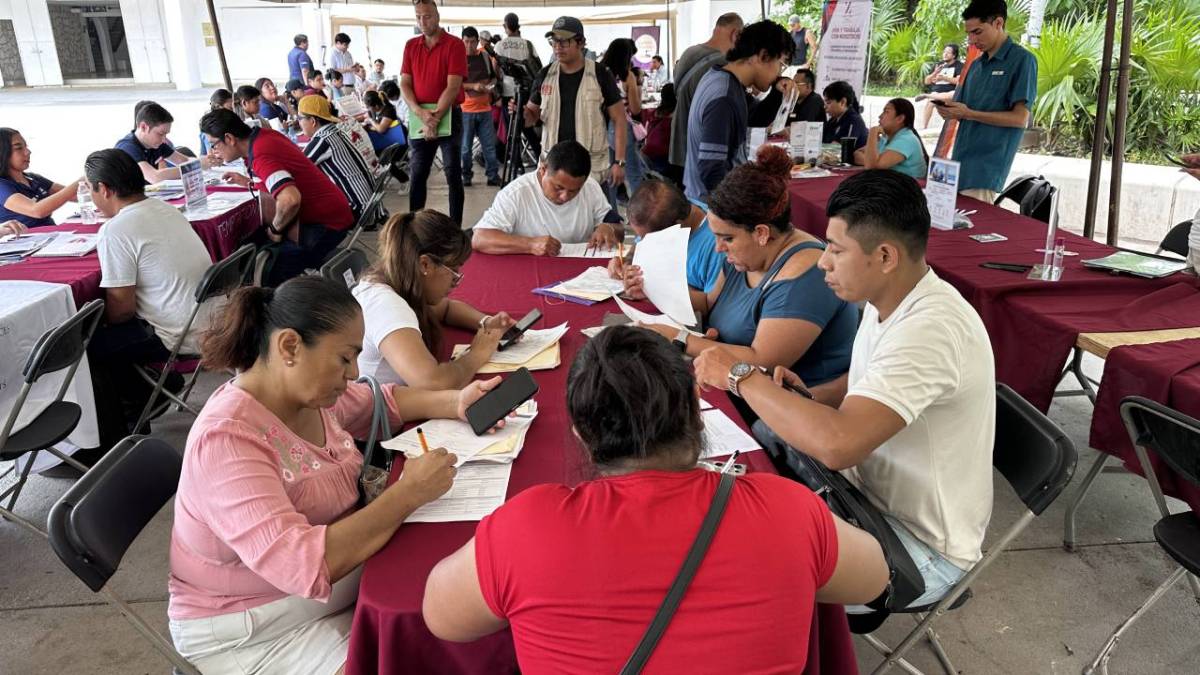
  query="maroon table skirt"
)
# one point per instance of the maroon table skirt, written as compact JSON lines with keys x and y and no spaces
{"x":1166,"y":372}
{"x":221,"y":236}
{"x":1032,"y":324}
{"x":389,"y":633}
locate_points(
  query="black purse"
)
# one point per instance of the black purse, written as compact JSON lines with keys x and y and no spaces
{"x":905,"y":583}
{"x":658,"y":626}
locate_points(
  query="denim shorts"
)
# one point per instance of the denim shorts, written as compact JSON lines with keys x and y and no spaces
{"x":939,"y":574}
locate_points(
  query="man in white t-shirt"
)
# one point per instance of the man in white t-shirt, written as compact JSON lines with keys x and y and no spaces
{"x":151,"y":263}
{"x":913,"y":421}
{"x":558,"y":204}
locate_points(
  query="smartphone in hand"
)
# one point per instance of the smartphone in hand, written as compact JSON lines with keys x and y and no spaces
{"x":483,"y":414}
{"x":518,"y":329}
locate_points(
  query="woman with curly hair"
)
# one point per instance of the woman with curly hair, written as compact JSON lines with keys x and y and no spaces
{"x":770,"y":304}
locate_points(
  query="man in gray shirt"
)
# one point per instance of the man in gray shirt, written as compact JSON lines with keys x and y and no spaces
{"x":692,"y":64}
{"x":341,"y":61}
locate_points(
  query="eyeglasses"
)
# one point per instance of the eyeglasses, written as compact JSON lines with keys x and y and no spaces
{"x":455,"y":277}
{"x":557,"y":42}
{"x":214,"y":142}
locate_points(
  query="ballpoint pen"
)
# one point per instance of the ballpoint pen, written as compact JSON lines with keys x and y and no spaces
{"x":729,"y":462}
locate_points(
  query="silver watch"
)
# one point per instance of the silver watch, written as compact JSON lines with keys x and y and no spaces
{"x":680,"y":340}
{"x":739,"y":372}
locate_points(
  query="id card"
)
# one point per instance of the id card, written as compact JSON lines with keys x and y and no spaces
{"x":985,"y":238}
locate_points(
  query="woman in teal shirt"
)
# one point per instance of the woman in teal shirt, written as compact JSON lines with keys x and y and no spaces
{"x":894,"y":143}
{"x":770,"y":305}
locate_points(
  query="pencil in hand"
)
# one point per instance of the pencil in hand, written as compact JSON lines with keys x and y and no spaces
{"x":424,"y":443}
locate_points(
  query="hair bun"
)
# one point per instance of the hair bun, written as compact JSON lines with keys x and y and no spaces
{"x":774,"y":160}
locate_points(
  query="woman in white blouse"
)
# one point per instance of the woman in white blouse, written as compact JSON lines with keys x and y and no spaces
{"x":405,"y":301}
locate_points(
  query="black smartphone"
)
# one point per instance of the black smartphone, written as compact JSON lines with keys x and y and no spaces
{"x":1178,"y":161}
{"x":1007,"y":267}
{"x":483,"y":414}
{"x":518,"y":329}
{"x":795,"y":388}
{"x":938,"y":102}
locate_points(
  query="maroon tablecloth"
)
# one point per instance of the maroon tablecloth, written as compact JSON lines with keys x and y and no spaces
{"x":389,"y":634}
{"x":82,"y":274}
{"x":221,"y":236}
{"x":1032,"y":324}
{"x":1166,"y":372}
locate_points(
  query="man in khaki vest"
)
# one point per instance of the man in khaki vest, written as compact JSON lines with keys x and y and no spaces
{"x":574,"y":98}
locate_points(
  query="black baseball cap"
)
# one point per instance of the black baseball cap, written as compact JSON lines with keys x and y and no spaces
{"x":293,"y":85}
{"x":566,"y":27}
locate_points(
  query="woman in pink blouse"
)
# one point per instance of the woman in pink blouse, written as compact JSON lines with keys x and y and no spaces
{"x":267,"y":540}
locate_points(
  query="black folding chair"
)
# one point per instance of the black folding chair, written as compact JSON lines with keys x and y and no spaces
{"x":94,"y":523}
{"x":1034,"y":195}
{"x":369,"y":215}
{"x":1176,"y":240}
{"x":1037,"y":459}
{"x":221,"y":279}
{"x":346,"y":266}
{"x":60,"y":348}
{"x":1175,"y":439}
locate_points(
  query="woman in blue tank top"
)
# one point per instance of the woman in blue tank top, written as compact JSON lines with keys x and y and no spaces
{"x":770,"y":306}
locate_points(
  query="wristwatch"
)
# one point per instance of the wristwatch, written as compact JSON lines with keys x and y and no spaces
{"x":680,"y":340}
{"x":620,"y":163}
{"x":737,"y":374}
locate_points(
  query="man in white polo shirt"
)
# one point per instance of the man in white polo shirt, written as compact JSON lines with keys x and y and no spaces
{"x":151,"y":263}
{"x":558,"y":204}
{"x":913,"y":421}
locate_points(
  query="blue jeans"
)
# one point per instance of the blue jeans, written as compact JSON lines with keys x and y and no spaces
{"x":635,"y":173}
{"x":481,"y":123}
{"x":421,"y":162}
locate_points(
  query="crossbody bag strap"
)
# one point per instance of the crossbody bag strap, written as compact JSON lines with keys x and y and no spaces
{"x":683,"y":579}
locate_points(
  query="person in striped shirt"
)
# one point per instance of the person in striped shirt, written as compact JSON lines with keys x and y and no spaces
{"x":335,"y":154}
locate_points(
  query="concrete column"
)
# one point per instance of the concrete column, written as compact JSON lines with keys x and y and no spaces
{"x":184,"y":43}
{"x":35,"y":41}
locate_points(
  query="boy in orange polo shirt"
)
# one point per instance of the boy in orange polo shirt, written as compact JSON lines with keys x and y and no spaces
{"x":477,"y":109}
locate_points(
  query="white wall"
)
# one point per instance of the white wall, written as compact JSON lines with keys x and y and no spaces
{"x":145,"y":39}
{"x":35,"y":41}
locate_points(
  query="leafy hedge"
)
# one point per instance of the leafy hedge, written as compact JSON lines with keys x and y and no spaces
{"x":1164,"y":99}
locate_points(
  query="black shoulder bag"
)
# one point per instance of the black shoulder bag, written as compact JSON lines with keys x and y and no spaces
{"x":683,"y":579}
{"x":905,"y":583}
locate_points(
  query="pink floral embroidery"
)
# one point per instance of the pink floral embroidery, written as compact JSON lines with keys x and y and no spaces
{"x":288,"y":475}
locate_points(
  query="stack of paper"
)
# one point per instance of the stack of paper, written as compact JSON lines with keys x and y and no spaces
{"x":458,"y":437}
{"x":479,"y":488}
{"x":536,"y":350}
{"x":68,"y":244}
{"x":722,"y":436}
{"x":25,"y":244}
{"x":593,"y":285}
{"x":217,"y":204}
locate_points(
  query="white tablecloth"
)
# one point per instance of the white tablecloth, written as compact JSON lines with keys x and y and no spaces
{"x":27,"y":310}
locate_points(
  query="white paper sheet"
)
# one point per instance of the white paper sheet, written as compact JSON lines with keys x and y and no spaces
{"x":218,"y":203}
{"x":532,"y":343}
{"x":583,"y":250}
{"x":457,"y":437}
{"x":662,"y":256}
{"x":941,"y":192}
{"x":638,"y":316}
{"x":479,"y":488}
{"x":593,"y":280}
{"x":722,"y":436}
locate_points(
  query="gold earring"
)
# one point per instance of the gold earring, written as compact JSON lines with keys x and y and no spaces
{"x":290,"y":363}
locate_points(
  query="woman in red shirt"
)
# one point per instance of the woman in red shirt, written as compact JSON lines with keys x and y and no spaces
{"x":578,"y":573}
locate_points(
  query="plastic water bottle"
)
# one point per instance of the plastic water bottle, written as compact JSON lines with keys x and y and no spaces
{"x":87,"y":210}
{"x":1056,"y":266}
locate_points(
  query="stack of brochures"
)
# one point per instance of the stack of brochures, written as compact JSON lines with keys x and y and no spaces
{"x":16,"y":247}
{"x":536,"y":350}
{"x":68,"y":244}
{"x":1137,"y":264}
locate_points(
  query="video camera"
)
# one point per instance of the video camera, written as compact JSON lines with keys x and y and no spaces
{"x":519,"y":71}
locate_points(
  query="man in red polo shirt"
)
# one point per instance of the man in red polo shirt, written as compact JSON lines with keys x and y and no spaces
{"x":306,"y":214}
{"x":435,"y":63}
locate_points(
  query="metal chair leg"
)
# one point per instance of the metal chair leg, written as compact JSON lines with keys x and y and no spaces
{"x":9,"y":515}
{"x":16,"y":489}
{"x":1073,"y":505}
{"x":68,"y":459}
{"x":1087,"y":385}
{"x":888,"y":661}
{"x":940,"y":652}
{"x":152,"y":636}
{"x":1100,"y":663}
